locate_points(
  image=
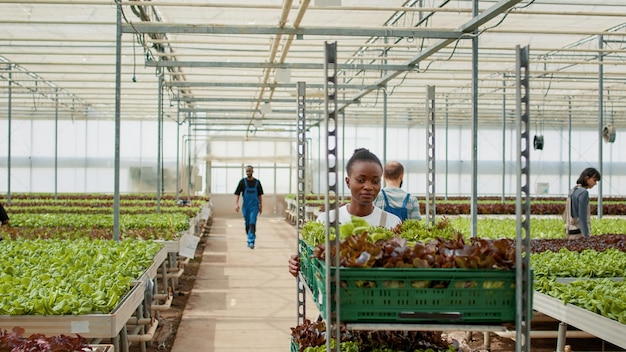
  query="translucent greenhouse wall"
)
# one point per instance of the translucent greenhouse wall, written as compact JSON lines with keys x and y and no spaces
{"x":85,"y":159}
{"x":550,"y":167}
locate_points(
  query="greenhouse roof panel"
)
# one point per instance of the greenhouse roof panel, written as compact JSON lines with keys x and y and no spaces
{"x":243,"y":58}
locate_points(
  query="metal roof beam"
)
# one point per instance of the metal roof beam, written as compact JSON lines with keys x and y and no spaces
{"x":466,"y":28}
{"x":224,"y":100}
{"x":295,"y":65}
{"x":163,"y":28}
{"x":274,"y":111}
{"x":177,"y":84}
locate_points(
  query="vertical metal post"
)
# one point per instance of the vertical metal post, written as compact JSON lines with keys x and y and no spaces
{"x":159,"y":138}
{"x":569,"y":142}
{"x":85,"y":163}
{"x":9,"y":112}
{"x":290,"y":189}
{"x":430,"y":155}
{"x":56,"y":141}
{"x":301,"y":193}
{"x":332,"y":205}
{"x":384,"y":88}
{"x":189,"y":158}
{"x":522,"y":203}
{"x":343,"y":153}
{"x":343,"y":145}
{"x":118,"y":105}
{"x":561,"y":336}
{"x":275,"y":184}
{"x":209,"y":169}
{"x":384,"y":125}
{"x":503,"y":196}
{"x":177,"y":190}
{"x":600,"y":118}
{"x":31,"y":152}
{"x":447,"y":145}
{"x":474,"y":197}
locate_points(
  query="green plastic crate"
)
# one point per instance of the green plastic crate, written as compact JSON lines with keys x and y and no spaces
{"x":294,"y":346}
{"x":417,"y":295}
{"x":308,"y":265}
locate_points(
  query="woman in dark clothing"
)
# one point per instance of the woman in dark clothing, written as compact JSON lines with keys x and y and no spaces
{"x":577,"y":213}
{"x":4,"y":218}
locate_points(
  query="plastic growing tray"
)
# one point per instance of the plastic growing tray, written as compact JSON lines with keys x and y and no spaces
{"x":415,"y":295}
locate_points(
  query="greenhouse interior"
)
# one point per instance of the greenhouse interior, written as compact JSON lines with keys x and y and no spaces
{"x":128,"y":129}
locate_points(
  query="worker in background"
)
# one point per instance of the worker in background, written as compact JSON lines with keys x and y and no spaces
{"x":392,"y":198}
{"x":252,"y":193}
{"x":4,"y":217}
{"x":577,"y":214}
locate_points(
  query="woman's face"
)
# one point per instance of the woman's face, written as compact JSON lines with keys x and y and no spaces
{"x":591,"y":181}
{"x":364,"y":181}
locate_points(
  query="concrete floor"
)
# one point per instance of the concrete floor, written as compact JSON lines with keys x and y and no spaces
{"x":243,"y":299}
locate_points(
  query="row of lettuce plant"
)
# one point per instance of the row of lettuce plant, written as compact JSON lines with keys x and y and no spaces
{"x":70,"y":225}
{"x":72,"y":216}
{"x":61,"y":277}
{"x":174,"y":222}
{"x":96,"y":196}
{"x":540,"y":227}
{"x":79,"y":209}
{"x":539,"y":206}
{"x":93,"y":203}
{"x":596,"y":279}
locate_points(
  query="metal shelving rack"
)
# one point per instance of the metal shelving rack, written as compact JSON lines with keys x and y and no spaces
{"x":301,"y":193}
{"x":430,"y":155}
{"x":523,"y":274}
{"x":331,"y":205}
{"x":523,"y":284}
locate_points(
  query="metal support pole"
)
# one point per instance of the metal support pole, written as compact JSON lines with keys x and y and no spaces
{"x":523,"y":289}
{"x":474,"y":196}
{"x":290,"y":189}
{"x":118,"y":105}
{"x":447,"y":145}
{"x":560,"y":341}
{"x":430,"y":156}
{"x":177,"y":190}
{"x":209,"y":169}
{"x":9,"y":112}
{"x":569,"y":142}
{"x":159,"y":138}
{"x":189,"y":160}
{"x":600,"y":118}
{"x":332,"y":205}
{"x":385,"y":99}
{"x":502,"y":198}
{"x":343,"y":144}
{"x":384,"y":89}
{"x":56,"y":142}
{"x":301,"y":193}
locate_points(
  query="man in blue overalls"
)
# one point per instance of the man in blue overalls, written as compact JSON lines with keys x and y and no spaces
{"x":252,"y":192}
